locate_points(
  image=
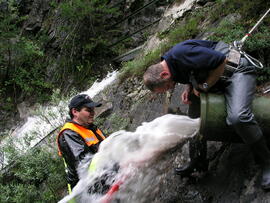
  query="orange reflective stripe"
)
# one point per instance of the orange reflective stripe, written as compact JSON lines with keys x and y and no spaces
{"x":100,"y":133}
{"x":88,"y":135}
{"x":59,"y":151}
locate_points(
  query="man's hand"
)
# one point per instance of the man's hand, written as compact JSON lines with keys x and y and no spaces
{"x":196,"y":92}
{"x":185,"y":95}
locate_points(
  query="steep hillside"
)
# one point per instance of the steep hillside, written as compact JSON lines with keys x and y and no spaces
{"x":65,"y":45}
{"x":232,"y":176}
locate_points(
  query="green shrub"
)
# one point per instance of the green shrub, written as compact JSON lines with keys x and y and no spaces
{"x":86,"y":39}
{"x":22,"y":67}
{"x":37,"y":176}
{"x":26,"y":58}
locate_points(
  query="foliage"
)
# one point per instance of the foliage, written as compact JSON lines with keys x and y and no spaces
{"x":27,"y":58}
{"x":85,"y":42}
{"x":249,"y":10}
{"x":37,"y":176}
{"x":183,"y":31}
{"x":34,"y":174}
{"x":137,"y":66}
{"x":257,"y":45}
{"x":80,"y":9}
{"x":227,"y":31}
{"x":118,"y":122}
{"x":21,"y":68}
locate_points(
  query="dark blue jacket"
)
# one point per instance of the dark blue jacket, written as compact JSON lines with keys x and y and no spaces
{"x":198,"y":56}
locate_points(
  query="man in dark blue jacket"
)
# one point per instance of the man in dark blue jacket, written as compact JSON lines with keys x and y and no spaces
{"x":200,"y":64}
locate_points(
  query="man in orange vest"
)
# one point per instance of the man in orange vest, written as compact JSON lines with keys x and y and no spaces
{"x":79,"y":136}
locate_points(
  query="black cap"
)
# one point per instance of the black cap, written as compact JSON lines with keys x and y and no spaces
{"x":82,"y":100}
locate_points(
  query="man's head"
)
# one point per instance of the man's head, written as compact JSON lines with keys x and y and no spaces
{"x":157,"y":78}
{"x":82,"y":109}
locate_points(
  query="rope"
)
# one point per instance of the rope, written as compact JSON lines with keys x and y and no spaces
{"x":134,"y":13}
{"x":123,"y":38}
{"x":239,"y":44}
{"x":252,"y":60}
{"x":254,"y":27}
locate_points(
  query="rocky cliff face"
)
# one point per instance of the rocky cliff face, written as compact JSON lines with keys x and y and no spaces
{"x":232,"y":174}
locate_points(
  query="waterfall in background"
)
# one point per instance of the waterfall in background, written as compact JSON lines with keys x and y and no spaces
{"x":135,"y":155}
{"x":99,"y":86}
{"x":47,"y":120}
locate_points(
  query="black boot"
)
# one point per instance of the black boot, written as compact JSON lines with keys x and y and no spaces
{"x":262,"y":153}
{"x":192,"y":166}
{"x":186,"y":170}
{"x":199,"y":162}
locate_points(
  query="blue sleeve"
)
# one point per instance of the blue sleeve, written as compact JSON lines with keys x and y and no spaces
{"x":202,"y":58}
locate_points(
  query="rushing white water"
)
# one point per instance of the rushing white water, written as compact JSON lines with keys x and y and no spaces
{"x":47,"y":119}
{"x":133,"y":151}
{"x":99,"y":86}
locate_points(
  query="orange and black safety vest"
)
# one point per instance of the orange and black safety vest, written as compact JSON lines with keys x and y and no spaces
{"x":88,"y":135}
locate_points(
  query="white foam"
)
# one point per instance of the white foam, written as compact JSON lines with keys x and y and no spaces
{"x":132,"y":150}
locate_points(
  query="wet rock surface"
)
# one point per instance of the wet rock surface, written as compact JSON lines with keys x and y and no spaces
{"x":232,"y":176}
